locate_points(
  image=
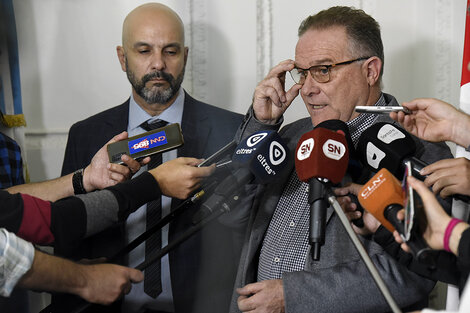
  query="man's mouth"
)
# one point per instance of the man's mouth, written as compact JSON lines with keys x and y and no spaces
{"x":158,"y":80}
{"x":318,"y":106}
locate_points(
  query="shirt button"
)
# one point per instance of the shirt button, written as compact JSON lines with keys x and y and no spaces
{"x":292,"y":224}
{"x":277,"y":260}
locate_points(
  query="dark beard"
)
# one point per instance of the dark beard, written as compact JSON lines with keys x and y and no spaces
{"x":155,"y":94}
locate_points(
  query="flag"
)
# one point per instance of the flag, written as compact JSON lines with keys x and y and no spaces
{"x":12,"y":120}
{"x":465,"y":80}
{"x":10,"y":85}
{"x":461,"y":209}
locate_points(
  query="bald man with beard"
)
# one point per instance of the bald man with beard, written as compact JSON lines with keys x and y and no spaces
{"x":197,"y":276}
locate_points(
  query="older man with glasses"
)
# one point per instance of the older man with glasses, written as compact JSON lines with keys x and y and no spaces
{"x":338,"y":65}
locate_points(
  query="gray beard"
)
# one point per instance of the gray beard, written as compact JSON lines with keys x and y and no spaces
{"x":155,"y":94}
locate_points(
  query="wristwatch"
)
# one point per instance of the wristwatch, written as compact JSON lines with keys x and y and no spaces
{"x":77,"y":182}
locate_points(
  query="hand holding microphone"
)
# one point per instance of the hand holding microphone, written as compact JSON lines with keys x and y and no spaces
{"x":178,"y":178}
{"x":383,"y":197}
{"x":370,"y":223}
{"x":259,"y":159}
{"x":384,"y":145}
{"x":448,"y":177}
{"x":437,"y":221}
{"x":435,"y":120}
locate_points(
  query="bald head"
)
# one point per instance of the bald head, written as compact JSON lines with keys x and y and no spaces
{"x":151,"y":17}
{"x":153,"y":55}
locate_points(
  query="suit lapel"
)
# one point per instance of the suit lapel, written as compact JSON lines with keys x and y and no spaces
{"x":195,"y":129}
{"x":119,"y":119}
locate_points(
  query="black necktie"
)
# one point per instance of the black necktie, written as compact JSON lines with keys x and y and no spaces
{"x":152,"y":281}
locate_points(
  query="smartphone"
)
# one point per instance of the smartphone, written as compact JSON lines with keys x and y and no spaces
{"x":138,"y":147}
{"x":409,"y":203}
{"x":381,"y":109}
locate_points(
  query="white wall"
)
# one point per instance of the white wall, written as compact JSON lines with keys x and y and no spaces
{"x":69,"y":68}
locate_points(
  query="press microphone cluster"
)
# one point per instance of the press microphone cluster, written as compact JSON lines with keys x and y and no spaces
{"x":259,"y":159}
{"x":385,"y":145}
{"x":321,"y":158}
{"x":383,"y":196}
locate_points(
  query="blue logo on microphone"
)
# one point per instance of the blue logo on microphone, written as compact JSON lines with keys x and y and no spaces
{"x":147,"y":142}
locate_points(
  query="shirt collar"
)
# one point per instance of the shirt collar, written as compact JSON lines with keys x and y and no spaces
{"x":137,"y":115}
{"x":359,"y":124}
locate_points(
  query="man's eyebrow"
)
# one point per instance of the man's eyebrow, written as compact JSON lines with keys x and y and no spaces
{"x":141,"y":44}
{"x":173,"y":45}
{"x":325,"y":61}
{"x":146,"y":44}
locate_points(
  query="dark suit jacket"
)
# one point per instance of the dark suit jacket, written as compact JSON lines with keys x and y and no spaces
{"x":339,"y":281}
{"x":202,"y":268}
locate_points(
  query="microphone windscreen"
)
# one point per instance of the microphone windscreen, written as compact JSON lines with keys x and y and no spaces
{"x":355,"y":168}
{"x":337,"y":125}
{"x":384,"y":145}
{"x":264,"y":153}
{"x":381,"y":191}
{"x":321,"y":153}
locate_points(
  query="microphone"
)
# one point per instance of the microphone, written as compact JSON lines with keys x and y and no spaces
{"x":260,"y":159}
{"x":384,"y":145}
{"x":321,"y":157}
{"x":383,"y":197}
{"x":155,"y":141}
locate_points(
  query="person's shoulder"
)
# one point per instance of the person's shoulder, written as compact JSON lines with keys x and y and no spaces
{"x":103,"y":116}
{"x":7,"y":140}
{"x":209,"y":109}
{"x":298,"y":125}
{"x":9,"y":143}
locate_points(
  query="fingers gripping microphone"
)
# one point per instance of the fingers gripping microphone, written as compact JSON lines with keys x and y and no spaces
{"x":383,"y":197}
{"x":259,"y":159}
{"x":321,"y":157}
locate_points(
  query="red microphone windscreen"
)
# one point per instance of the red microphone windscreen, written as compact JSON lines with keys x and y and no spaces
{"x":382,"y":190}
{"x":322,"y":153}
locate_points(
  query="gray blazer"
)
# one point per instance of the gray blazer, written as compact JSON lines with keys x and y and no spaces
{"x":339,"y":281}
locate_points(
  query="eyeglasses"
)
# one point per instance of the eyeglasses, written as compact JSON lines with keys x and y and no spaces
{"x":321,"y":73}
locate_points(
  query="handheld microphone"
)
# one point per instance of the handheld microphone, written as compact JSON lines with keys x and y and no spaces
{"x":383,"y":197}
{"x":155,"y":141}
{"x":384,"y":145}
{"x":260,"y":159}
{"x":321,"y":157}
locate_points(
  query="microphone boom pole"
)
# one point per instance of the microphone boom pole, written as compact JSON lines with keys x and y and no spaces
{"x":362,"y":251}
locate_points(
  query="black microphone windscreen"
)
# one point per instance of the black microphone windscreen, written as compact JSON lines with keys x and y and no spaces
{"x":384,"y":145}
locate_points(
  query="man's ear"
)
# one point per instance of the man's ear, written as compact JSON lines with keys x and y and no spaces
{"x":186,"y":52}
{"x":122,"y":57}
{"x":372,"y":67}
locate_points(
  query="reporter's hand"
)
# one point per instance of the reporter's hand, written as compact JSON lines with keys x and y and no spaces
{"x":100,"y":173}
{"x":437,"y":218}
{"x":266,"y":296}
{"x":178,"y":178}
{"x":448,"y":177}
{"x":270,"y":99}
{"x":396,"y":235}
{"x":105,"y":283}
{"x":434,"y":120}
{"x":371,"y":224}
